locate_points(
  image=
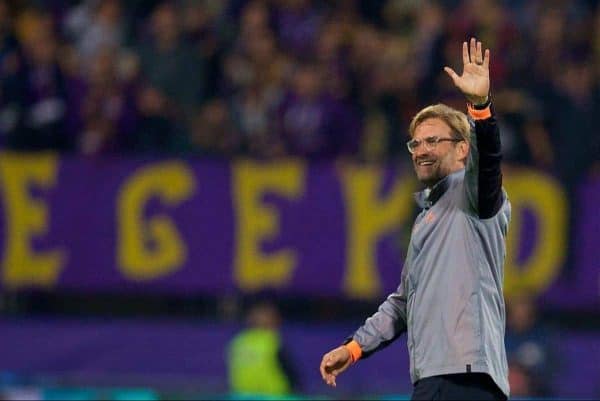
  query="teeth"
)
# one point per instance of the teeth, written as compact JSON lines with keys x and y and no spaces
{"x":425,"y":163}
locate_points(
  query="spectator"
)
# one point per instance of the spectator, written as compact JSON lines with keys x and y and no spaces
{"x":255,"y":55}
{"x":95,"y":25}
{"x":213,"y":131}
{"x":169,"y":64}
{"x":258,"y":362}
{"x":331,"y":54}
{"x":522,"y":384}
{"x":108,"y":108}
{"x":575,"y":109}
{"x":10,"y":64}
{"x":256,"y":99}
{"x":528,"y":348}
{"x":312,"y":123}
{"x":209,"y":29}
{"x":298,"y":23}
{"x":42,"y":89}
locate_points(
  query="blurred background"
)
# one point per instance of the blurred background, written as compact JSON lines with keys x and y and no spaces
{"x":200,"y":197}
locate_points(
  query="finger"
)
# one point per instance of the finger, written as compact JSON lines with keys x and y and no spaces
{"x":465,"y":54}
{"x":486,"y":59}
{"x":452,"y":74}
{"x":473,"y":50}
{"x":479,"y":57}
{"x":322,"y":370}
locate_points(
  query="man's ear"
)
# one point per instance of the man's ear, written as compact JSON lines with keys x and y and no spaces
{"x":462,"y":150}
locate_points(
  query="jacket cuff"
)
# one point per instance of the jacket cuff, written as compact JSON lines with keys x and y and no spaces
{"x":480,"y":114}
{"x":355,"y":350}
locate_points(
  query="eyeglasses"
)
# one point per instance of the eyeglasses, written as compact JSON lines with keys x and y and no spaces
{"x":430,"y":143}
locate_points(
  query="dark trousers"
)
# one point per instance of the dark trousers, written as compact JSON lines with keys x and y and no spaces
{"x":462,"y":386}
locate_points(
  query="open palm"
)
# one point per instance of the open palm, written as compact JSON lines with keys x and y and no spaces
{"x":474,"y":82}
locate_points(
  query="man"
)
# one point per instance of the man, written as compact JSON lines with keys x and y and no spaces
{"x":450,"y":295}
{"x":258,"y":362}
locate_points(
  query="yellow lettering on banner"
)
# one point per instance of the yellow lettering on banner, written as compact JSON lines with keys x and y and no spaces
{"x":369,"y":218}
{"x":27,"y":217}
{"x":152,"y":248}
{"x":257,"y":221}
{"x":542,"y":195}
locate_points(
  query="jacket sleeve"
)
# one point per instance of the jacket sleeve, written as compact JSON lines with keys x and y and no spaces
{"x":483,"y":176}
{"x":387,"y":324}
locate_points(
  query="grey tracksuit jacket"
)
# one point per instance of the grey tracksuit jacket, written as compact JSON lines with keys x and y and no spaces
{"x":450,"y":295}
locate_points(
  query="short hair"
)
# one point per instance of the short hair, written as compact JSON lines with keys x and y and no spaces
{"x":456,"y":120}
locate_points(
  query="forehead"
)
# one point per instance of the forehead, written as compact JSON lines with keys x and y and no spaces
{"x":432,"y":126}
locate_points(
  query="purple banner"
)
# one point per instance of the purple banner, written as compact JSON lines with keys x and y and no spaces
{"x":180,"y":226}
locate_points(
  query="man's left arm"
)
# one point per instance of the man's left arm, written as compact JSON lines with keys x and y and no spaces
{"x":483,"y":178}
{"x":484,"y":175}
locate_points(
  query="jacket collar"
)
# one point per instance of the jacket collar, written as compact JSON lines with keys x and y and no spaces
{"x":429,"y":196}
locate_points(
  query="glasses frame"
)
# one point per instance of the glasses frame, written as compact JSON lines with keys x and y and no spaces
{"x":429,"y":142}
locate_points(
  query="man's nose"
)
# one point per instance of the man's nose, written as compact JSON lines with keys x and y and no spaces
{"x":420,"y":151}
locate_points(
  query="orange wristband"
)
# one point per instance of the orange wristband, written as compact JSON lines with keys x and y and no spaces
{"x":479,"y":114}
{"x":355,"y":351}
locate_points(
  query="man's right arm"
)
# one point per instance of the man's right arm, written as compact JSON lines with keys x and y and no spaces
{"x":383,"y":327}
{"x":387,"y":324}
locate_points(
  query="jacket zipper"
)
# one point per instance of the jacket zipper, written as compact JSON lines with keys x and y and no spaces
{"x":413,"y":358}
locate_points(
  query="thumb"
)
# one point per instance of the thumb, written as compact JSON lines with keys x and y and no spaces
{"x":452,"y":74}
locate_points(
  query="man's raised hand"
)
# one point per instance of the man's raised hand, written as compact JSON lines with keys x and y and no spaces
{"x":474,"y":82}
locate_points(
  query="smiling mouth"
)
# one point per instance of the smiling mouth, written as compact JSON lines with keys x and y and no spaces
{"x":425,"y":163}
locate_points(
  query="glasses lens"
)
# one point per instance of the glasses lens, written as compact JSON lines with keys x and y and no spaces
{"x":412,"y":145}
{"x":431,"y":140}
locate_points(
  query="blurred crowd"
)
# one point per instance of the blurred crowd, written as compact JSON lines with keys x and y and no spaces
{"x":308,"y":78}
